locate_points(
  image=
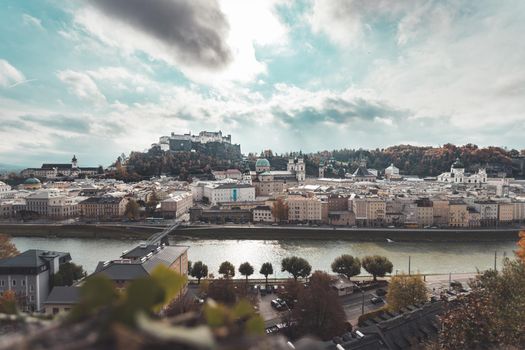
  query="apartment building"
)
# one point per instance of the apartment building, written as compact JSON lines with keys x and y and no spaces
{"x":30,"y":275}
{"x":441,"y":211}
{"x":262,"y":213}
{"x":488,"y":211}
{"x":304,"y":209}
{"x":425,"y":212}
{"x":176,"y":205}
{"x":106,"y":207}
{"x":52,"y":204}
{"x":458,"y":214}
{"x":506,"y":213}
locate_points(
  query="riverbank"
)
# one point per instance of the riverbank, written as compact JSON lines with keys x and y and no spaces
{"x":245,"y":232}
{"x":79,"y":231}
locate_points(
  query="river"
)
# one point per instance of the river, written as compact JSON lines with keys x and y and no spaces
{"x":426,"y":257}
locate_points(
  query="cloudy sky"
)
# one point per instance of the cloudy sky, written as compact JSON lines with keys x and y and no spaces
{"x":103,"y":77}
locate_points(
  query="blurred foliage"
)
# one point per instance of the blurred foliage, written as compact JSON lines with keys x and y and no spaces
{"x":8,"y":303}
{"x":520,"y":253}
{"x":492,"y":315}
{"x":133,"y":314}
{"x":7,"y":248}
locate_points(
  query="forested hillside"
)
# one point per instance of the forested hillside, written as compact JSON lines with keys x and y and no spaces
{"x":411,"y":160}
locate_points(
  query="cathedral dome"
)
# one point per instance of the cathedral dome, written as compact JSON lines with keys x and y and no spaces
{"x":32,"y":181}
{"x":261,"y":162}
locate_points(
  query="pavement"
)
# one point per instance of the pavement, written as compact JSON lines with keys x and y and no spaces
{"x":353,"y":304}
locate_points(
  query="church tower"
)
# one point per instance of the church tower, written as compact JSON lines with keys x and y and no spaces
{"x":74,"y":164}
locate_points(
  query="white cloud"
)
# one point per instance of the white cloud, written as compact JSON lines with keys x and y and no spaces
{"x":252,"y":24}
{"x":33,"y":21}
{"x":81,"y":85}
{"x":9,"y":75}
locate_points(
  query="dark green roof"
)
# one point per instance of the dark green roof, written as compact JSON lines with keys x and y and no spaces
{"x":32,"y":181}
{"x":262,"y":162}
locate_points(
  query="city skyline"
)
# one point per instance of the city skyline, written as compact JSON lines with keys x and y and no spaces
{"x":100,"y":79}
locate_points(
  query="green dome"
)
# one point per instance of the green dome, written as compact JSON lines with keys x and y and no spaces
{"x":32,"y":181}
{"x":262,"y":162}
{"x":457,"y":164}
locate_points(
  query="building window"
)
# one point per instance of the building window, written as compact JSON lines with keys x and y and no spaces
{"x":2,"y":283}
{"x":31,"y":288}
{"x":14,"y":282}
{"x":23,"y":282}
{"x":31,"y":298}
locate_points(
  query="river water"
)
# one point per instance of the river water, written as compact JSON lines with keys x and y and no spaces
{"x":426,"y":257}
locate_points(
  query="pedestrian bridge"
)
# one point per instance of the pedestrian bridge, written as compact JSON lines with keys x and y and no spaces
{"x":162,"y":236}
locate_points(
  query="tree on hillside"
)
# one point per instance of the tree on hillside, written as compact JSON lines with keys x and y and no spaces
{"x":492,"y":315}
{"x":346,"y":265}
{"x":405,"y":290}
{"x":377,"y":265}
{"x":68,"y":273}
{"x":151,"y":204}
{"x":297,"y":267}
{"x":246,"y":269}
{"x":132,"y":211}
{"x":319,"y":311}
{"x":7,"y":248}
{"x":266,"y":269}
{"x":198,"y":271}
{"x":280,"y":210}
{"x":227,"y":269}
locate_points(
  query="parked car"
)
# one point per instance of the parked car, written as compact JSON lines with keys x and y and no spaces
{"x":380,"y":292}
{"x":279,"y":304}
{"x":272,"y":329}
{"x":376,"y":300}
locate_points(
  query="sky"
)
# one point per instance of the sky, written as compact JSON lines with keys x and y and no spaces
{"x":101,"y":77}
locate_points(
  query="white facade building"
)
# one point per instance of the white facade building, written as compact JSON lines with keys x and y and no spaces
{"x":263,"y":213}
{"x":457,"y":175}
{"x":220,"y":192}
{"x":4,"y":187}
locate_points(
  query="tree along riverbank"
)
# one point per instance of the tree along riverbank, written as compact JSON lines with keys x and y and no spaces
{"x":131,"y":231}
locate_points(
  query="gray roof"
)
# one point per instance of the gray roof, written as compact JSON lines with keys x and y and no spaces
{"x":103,"y":200}
{"x":222,"y":186}
{"x":362,"y":172}
{"x":165,"y":256}
{"x":63,"y":295}
{"x":32,"y":258}
{"x":139,"y":251}
{"x":412,"y":325}
{"x":121,"y":271}
{"x":131,"y":267}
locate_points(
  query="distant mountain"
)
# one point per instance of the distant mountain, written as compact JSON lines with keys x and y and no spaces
{"x":7,"y":168}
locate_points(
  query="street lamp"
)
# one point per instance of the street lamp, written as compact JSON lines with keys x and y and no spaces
{"x":363,"y":303}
